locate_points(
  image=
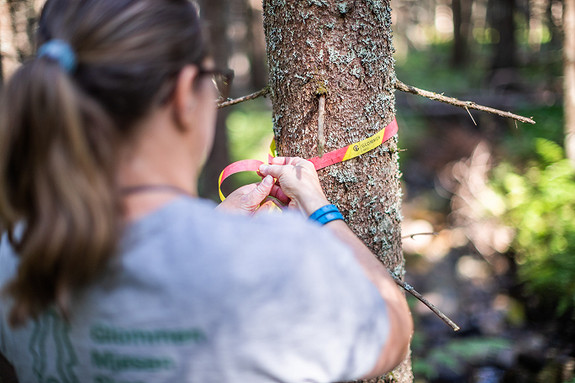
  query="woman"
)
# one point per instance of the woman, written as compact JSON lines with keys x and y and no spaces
{"x":113,"y":271}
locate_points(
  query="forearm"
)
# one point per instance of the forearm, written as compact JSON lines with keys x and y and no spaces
{"x":401,"y":324}
{"x":299,"y":183}
{"x":373,"y":268}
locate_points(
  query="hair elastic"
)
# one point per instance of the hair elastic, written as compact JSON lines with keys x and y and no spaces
{"x":61,"y":52}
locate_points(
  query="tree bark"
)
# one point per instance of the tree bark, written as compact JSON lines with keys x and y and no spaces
{"x":569,"y":77}
{"x":343,"y":51}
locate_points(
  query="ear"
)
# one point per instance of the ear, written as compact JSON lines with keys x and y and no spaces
{"x":185,"y":99}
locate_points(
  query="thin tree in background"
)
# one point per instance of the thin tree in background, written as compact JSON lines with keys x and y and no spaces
{"x":340,"y":54}
{"x":17,"y":23}
{"x":216,"y":15}
{"x":256,"y":44}
{"x":461,"y":30}
{"x":1,"y":62}
{"x":569,"y":79}
{"x":553,"y":23}
{"x":501,"y":17}
{"x":22,"y":22}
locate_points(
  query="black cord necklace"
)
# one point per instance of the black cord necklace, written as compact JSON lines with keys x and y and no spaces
{"x":153,"y":188}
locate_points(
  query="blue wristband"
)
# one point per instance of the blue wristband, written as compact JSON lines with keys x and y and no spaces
{"x":326,"y":214}
{"x":329,"y":217}
{"x":322,"y":210}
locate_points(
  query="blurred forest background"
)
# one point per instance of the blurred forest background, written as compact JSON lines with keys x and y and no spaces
{"x":492,"y":201}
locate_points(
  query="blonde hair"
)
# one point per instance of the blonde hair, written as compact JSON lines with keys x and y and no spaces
{"x":59,"y":135}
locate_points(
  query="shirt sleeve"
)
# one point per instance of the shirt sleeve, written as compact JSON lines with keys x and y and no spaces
{"x":309,"y":313}
{"x":8,"y":269}
{"x":3,"y":269}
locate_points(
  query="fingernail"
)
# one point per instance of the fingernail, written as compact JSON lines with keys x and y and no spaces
{"x":268,"y":181}
{"x":263,"y":168}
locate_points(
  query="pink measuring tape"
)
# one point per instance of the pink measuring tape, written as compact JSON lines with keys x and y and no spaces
{"x":330,"y":158}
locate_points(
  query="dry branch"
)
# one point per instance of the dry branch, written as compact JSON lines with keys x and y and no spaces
{"x":320,"y":125}
{"x":260,"y":93}
{"x":412,"y":236}
{"x":422,"y":299}
{"x":408,"y":89}
{"x":462,"y":104}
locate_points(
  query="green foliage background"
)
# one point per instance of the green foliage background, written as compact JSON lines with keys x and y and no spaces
{"x":249,"y":129}
{"x":540,"y":205}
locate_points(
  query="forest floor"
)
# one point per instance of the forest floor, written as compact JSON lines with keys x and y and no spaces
{"x":465,"y":267}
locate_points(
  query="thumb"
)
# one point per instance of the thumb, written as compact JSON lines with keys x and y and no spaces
{"x":260,"y":192}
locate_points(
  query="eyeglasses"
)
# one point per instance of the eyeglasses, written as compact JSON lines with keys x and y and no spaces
{"x":222,"y":79}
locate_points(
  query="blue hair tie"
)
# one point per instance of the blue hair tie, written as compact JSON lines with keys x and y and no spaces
{"x":60,"y":51}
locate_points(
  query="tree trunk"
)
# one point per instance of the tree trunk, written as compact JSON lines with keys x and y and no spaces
{"x":569,"y":78}
{"x":553,"y":24}
{"x":342,"y":50}
{"x":502,"y":19}
{"x":256,"y":44}
{"x":1,"y":59}
{"x":22,"y":20}
{"x":17,"y":31}
{"x":461,"y":27}
{"x":216,"y":15}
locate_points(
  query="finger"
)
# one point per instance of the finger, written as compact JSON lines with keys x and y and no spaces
{"x":243,"y":190}
{"x":279,"y":160}
{"x":303,"y":163}
{"x":293,"y":205}
{"x":274,"y":170}
{"x":286,"y":160}
{"x":278,"y":193}
{"x":260,"y":192}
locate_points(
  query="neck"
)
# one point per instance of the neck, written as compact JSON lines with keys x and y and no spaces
{"x":148,"y":185}
{"x":158,"y":156}
{"x":158,"y":169}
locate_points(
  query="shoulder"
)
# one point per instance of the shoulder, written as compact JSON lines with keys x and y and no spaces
{"x":190,"y":237}
{"x":197,"y":221}
{"x":228,"y":252}
{"x":287,"y":239}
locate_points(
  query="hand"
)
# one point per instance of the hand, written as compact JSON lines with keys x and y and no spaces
{"x":298,"y":183}
{"x":248,"y":198}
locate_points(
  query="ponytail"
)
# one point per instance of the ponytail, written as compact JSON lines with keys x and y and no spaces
{"x":101,"y":67}
{"x":58,"y":197}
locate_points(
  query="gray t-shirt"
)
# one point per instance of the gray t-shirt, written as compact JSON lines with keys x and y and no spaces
{"x":198,"y":295}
